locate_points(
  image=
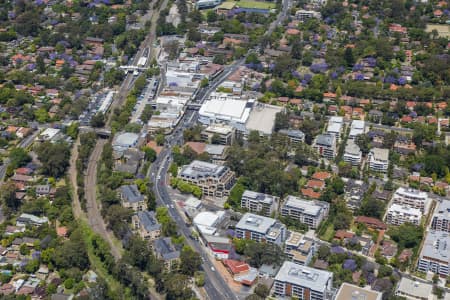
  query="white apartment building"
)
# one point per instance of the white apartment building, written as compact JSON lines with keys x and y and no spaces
{"x":399,"y":214}
{"x":299,"y":249}
{"x":379,"y":160}
{"x":335,"y":126}
{"x":302,"y":282}
{"x":218,"y":133}
{"x":260,"y":229}
{"x":309,"y":212}
{"x":325,"y":145}
{"x":441,"y":217}
{"x":259,"y":202}
{"x":435,"y":254}
{"x":412,"y":198}
{"x":352,"y":153}
{"x":358,"y":127}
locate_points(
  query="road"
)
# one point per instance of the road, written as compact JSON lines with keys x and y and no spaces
{"x":22,"y":144}
{"x":215,"y":286}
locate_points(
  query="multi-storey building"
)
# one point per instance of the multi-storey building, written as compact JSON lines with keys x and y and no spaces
{"x":303,"y":282}
{"x":260,"y":229}
{"x":352,"y":153}
{"x":398,"y":214}
{"x":218,"y":134}
{"x":325,"y":144}
{"x":379,"y":160}
{"x":335,"y":125}
{"x":441,"y":217}
{"x":303,"y":15}
{"x":412,"y":198}
{"x":166,"y":251}
{"x":435,"y":254}
{"x":132,"y":198}
{"x":295,"y":136}
{"x":309,"y":212}
{"x":358,"y":127}
{"x":259,"y":202}
{"x":146,"y":225}
{"x":353,"y":292}
{"x":298,"y":248}
{"x":214,"y":180}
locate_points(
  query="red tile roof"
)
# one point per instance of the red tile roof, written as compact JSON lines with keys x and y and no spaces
{"x":236,"y":266}
{"x":371,"y":222}
{"x":321,"y":175}
{"x":310,"y":193}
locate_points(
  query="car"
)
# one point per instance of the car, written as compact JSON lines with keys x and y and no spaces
{"x":159,"y":177}
{"x":212,"y":269}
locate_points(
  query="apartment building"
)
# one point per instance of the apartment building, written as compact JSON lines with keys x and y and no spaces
{"x":358,"y":127}
{"x":299,"y":249}
{"x":412,"y":198}
{"x":441,"y":217}
{"x":261,"y":229}
{"x":303,"y":282}
{"x":335,"y":126}
{"x":309,"y":212}
{"x":435,"y":254}
{"x":259,"y":203}
{"x":145,"y":224}
{"x":379,"y":160}
{"x":295,"y":136}
{"x":214,"y":180}
{"x":218,"y":134}
{"x":399,"y":214}
{"x":325,"y":145}
{"x":352,"y":153}
{"x":353,"y":292}
{"x":166,"y":251}
{"x":303,"y":15}
{"x":132,"y":198}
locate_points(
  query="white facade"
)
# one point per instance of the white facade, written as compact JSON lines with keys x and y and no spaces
{"x":309,"y":212}
{"x":379,"y":160}
{"x":352,"y":153}
{"x":335,"y":125}
{"x":398,"y":214}
{"x":435,"y":254}
{"x":412,"y":198}
{"x":358,"y":127}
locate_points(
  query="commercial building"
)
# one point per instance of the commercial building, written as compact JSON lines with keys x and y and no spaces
{"x":295,"y":136}
{"x":303,"y":282}
{"x":299,"y":249}
{"x":435,"y":254}
{"x":207,"y":221}
{"x":412,"y":198}
{"x":214,"y":180}
{"x":259,"y":203}
{"x":217,"y":153}
{"x":309,"y":212}
{"x":349,"y":291}
{"x":358,"y":127}
{"x":335,"y":126}
{"x":414,"y":290}
{"x":303,"y":15}
{"x":379,"y":160}
{"x":124,"y":141}
{"x":146,"y":225}
{"x":260,"y":229}
{"x":226,"y":109}
{"x":132,"y":198}
{"x":441,"y":217}
{"x":218,"y":134}
{"x":218,"y":246}
{"x":325,"y":145}
{"x":398,"y":214}
{"x":352,"y":153}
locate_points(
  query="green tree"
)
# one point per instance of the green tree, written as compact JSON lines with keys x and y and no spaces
{"x":349,"y":57}
{"x":54,"y":158}
{"x":190,"y":261}
{"x":19,"y":157}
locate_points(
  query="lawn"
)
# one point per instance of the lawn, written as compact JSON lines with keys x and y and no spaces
{"x":329,"y":233}
{"x":255,"y":4}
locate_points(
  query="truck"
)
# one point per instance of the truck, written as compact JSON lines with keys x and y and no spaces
{"x":142,"y":61}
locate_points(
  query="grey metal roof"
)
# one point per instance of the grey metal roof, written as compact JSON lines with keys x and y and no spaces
{"x":309,"y":207}
{"x":437,"y":246}
{"x":260,"y":197}
{"x":148,"y":220}
{"x":326,"y":140}
{"x":293,"y":133}
{"x":316,"y":280}
{"x":131,"y":193}
{"x":165,"y":248}
{"x":255,"y":223}
{"x":215,"y":149}
{"x":201,"y":169}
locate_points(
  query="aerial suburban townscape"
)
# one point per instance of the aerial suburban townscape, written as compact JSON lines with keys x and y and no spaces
{"x":225,"y":149}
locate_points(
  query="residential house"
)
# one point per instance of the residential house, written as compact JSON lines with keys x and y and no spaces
{"x":146,"y":225}
{"x":132,"y":198}
{"x":166,"y":251}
